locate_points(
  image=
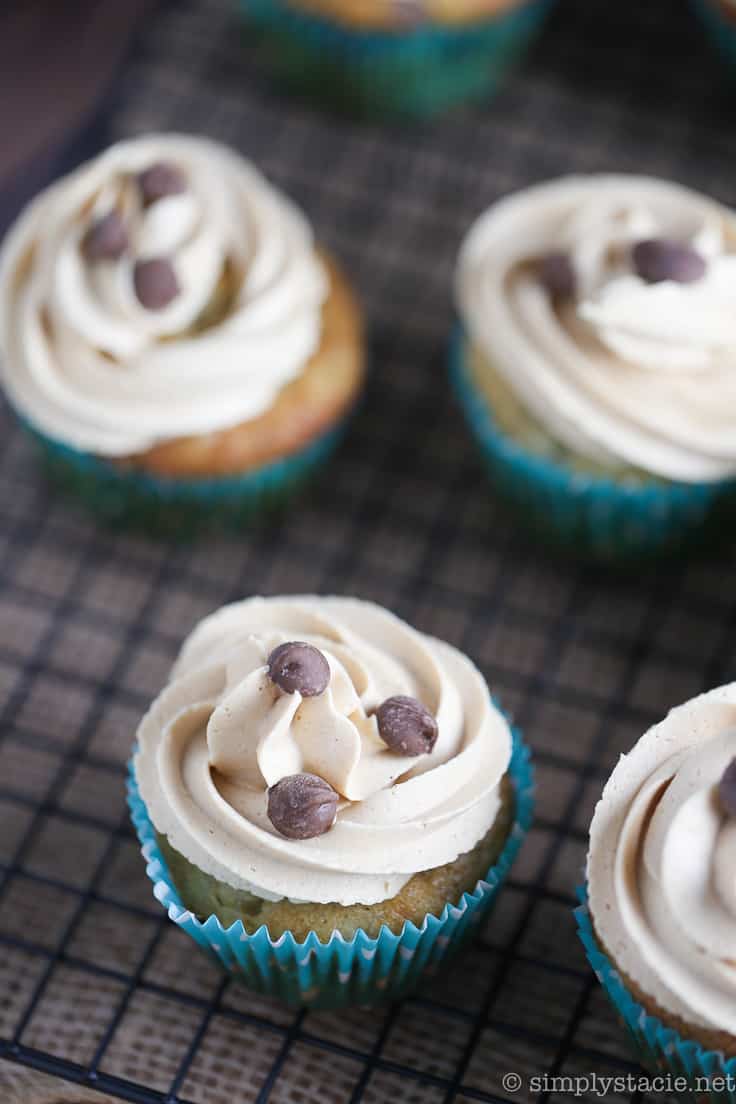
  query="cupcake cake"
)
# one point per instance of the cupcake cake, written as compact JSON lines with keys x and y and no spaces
{"x":327,"y":799}
{"x":399,"y":58}
{"x":594,"y":360}
{"x":659,"y":924}
{"x":172,"y":336}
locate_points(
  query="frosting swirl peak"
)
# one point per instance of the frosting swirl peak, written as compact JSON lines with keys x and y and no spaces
{"x":222,"y":734}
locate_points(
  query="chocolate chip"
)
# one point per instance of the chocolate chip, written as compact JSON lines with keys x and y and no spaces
{"x":155,"y":283}
{"x":727,"y":790}
{"x":556,"y":273}
{"x":302,"y":806}
{"x":106,"y":239}
{"x":160,"y":180}
{"x":406,"y":726}
{"x":298,"y":668}
{"x":659,"y":259}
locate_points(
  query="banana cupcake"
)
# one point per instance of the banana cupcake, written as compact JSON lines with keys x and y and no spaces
{"x":659,"y":922}
{"x":399,"y":58}
{"x":594,"y":361}
{"x":171,"y":335}
{"x":327,"y":799}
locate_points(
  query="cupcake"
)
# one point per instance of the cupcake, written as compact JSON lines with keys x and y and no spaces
{"x":327,"y":800}
{"x":397,"y":58}
{"x":172,"y":337}
{"x":719,"y":18}
{"x":659,"y":924}
{"x":594,"y":361}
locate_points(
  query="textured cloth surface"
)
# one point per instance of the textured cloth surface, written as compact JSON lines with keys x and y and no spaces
{"x":24,"y":1086}
{"x":90,"y":977}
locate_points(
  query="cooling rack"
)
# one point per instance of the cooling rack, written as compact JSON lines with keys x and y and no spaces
{"x":96,"y":986}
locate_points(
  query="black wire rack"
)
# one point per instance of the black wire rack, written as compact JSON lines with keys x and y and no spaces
{"x":95,"y":985}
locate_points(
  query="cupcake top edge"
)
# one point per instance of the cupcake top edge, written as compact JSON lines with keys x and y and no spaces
{"x":606,"y":303}
{"x":404,"y":15}
{"x":662,"y":863}
{"x":161,"y":290}
{"x":319,"y":749}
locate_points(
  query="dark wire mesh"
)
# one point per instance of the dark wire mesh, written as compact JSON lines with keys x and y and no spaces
{"x":95,"y":985}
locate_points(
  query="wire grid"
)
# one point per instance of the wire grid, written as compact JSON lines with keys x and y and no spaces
{"x":95,"y":985}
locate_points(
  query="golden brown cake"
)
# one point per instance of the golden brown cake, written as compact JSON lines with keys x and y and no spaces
{"x":305,"y":409}
{"x":398,"y":14}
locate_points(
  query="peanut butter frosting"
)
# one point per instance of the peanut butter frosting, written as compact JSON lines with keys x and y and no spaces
{"x":223,"y":736}
{"x":162,"y":290}
{"x":608,"y":304}
{"x":662,"y":863}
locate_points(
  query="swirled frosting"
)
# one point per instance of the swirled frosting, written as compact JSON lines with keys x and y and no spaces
{"x":221,"y":734}
{"x":662,"y":864}
{"x":624,"y":372}
{"x":86,"y":362}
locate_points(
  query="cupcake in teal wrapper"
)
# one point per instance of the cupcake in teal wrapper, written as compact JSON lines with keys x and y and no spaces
{"x":658,"y":919}
{"x":719,"y":18}
{"x":327,"y":800}
{"x":405,"y":59}
{"x":593,"y":362}
{"x":172,"y":336}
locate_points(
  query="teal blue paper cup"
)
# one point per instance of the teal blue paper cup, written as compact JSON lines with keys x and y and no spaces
{"x":720,"y":25}
{"x":358,"y":971}
{"x":411,"y":72}
{"x":129,"y":498}
{"x":592,"y":517}
{"x":692,"y":1072}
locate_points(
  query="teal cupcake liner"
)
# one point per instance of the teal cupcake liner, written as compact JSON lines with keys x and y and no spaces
{"x":591,"y":516}
{"x":133,"y":499}
{"x":693,"y":1073}
{"x":358,"y":971}
{"x":721,"y":29}
{"x":406,"y":73}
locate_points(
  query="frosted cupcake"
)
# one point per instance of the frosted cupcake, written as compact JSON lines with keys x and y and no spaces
{"x":401,"y":58}
{"x":594,"y":360}
{"x":660,"y":923}
{"x":171,"y":335}
{"x":327,"y":799}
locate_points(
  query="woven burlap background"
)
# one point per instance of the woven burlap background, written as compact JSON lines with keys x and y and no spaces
{"x":93,"y":984}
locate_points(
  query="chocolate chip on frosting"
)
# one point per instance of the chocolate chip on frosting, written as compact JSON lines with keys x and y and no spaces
{"x":727,"y":790}
{"x":302,"y":806}
{"x":155,"y":283}
{"x":406,"y":726}
{"x":106,"y":239}
{"x":160,"y":180}
{"x":556,"y":273}
{"x":658,"y":259}
{"x":299,"y":668}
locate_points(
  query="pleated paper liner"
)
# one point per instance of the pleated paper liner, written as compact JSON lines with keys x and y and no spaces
{"x":591,"y":517}
{"x":132,"y":499}
{"x":362,"y":970}
{"x":695,"y":1074}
